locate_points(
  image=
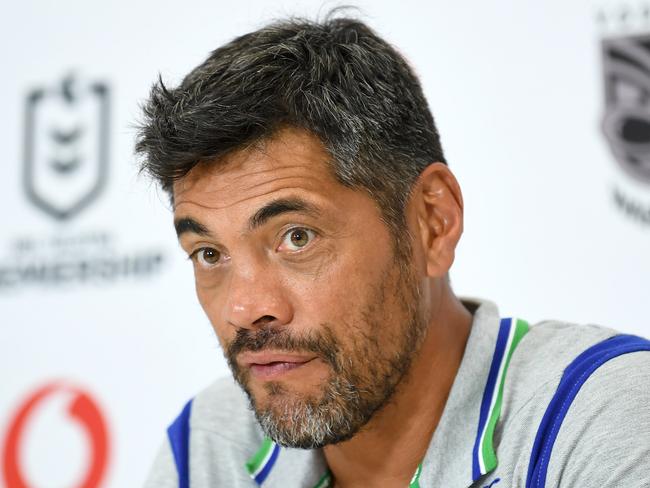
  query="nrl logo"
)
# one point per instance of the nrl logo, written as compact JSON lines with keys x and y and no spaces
{"x":626,"y":122}
{"x":66,"y":146}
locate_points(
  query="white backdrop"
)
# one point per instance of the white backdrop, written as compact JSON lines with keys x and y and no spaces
{"x":100,"y":306}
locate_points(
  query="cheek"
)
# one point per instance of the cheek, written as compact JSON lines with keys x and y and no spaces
{"x":211,"y":305}
{"x":344,"y":290}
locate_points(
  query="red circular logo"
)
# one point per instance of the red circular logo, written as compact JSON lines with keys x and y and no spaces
{"x":83,"y":410}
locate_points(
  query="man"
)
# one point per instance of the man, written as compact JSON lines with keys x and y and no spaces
{"x":311,"y":193}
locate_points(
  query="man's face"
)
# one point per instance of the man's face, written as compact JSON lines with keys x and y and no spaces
{"x":299,"y":277}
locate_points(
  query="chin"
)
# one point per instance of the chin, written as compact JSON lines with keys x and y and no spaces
{"x":307,"y":421}
{"x":279,"y":397}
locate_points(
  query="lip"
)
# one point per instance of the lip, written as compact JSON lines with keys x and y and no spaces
{"x":269,"y":365}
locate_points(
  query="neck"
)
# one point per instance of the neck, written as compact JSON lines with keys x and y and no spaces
{"x":388,"y":450}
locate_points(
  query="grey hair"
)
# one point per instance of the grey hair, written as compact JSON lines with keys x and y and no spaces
{"x":335,"y":78}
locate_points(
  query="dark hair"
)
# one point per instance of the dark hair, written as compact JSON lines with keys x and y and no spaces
{"x":336,"y":79}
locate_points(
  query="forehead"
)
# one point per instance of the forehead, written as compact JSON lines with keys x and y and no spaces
{"x":291,"y":160}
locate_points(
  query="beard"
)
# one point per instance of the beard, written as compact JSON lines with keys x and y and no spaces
{"x":365,"y":371}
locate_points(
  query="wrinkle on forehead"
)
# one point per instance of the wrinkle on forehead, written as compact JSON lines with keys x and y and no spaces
{"x":292,"y":160}
{"x":210,"y":206}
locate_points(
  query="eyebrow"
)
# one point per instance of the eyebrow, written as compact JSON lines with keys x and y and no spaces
{"x":272,"y":209}
{"x":279,"y":207}
{"x":187,"y":224}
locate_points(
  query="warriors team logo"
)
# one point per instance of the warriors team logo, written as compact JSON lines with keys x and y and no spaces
{"x":66,"y":146}
{"x":626,"y":124}
{"x":85,"y":416}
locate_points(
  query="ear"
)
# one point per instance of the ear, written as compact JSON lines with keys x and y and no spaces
{"x":438,"y":204}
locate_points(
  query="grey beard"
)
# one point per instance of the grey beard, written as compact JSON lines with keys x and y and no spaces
{"x":346,"y":402}
{"x":361,"y":381}
{"x":307,"y":423}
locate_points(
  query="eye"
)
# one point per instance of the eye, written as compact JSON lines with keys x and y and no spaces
{"x":296,"y":239}
{"x":206,"y":257}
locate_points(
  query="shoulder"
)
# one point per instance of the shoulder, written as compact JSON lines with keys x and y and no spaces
{"x":604,"y":439}
{"x":607,"y":420}
{"x":534,"y":373}
{"x":619,"y":387}
{"x":543,"y":354}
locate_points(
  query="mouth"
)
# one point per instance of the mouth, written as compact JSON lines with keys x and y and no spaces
{"x":269,"y":365}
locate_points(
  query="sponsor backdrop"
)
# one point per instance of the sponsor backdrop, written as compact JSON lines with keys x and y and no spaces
{"x":544,"y":110}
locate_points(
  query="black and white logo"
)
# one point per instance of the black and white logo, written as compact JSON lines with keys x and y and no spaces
{"x":66,"y":146}
{"x":65,"y":169}
{"x":626,"y":123}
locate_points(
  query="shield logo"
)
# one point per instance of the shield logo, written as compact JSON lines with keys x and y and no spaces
{"x":626,"y":124}
{"x":66,"y":146}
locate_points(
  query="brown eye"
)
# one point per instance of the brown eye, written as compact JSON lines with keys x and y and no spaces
{"x":296,"y":238}
{"x":299,"y":237}
{"x":208,"y":256}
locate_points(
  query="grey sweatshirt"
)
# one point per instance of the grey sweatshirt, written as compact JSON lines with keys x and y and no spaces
{"x":604,"y":440}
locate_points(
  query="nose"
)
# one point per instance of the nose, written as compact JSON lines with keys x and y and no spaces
{"x":254,"y":300}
